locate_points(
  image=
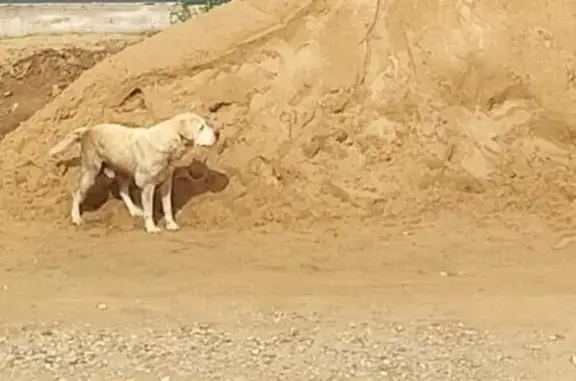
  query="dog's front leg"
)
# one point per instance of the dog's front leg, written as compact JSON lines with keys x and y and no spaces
{"x":148,"y":206}
{"x":166,"y":194}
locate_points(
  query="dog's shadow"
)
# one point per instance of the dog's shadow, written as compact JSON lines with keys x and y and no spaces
{"x":188,"y":182}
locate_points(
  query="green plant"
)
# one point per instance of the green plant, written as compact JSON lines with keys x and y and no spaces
{"x":182,"y":11}
{"x":209,"y":4}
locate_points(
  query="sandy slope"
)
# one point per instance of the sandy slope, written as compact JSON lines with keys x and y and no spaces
{"x":335,"y":109}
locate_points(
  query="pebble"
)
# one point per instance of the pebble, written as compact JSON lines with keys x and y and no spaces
{"x":556,"y":337}
{"x":289,"y":348}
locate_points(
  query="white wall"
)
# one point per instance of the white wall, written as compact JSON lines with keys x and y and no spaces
{"x":21,"y":20}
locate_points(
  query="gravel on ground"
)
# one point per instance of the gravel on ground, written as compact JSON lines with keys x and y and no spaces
{"x":265,"y":346}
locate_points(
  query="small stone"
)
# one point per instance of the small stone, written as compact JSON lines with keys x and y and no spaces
{"x":534,"y":347}
{"x":314,"y":146}
{"x":449,"y":273}
{"x":55,"y":90}
{"x":102,"y":306}
{"x":382,"y":129}
{"x":340,"y":136}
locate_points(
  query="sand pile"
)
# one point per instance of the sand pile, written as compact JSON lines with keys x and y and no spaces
{"x":337,"y":108}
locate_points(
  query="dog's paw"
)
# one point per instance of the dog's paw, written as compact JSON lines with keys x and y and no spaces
{"x":152,"y":229}
{"x":78,"y":221}
{"x":172,"y":226}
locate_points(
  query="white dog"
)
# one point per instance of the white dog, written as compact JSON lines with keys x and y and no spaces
{"x":146,"y":154}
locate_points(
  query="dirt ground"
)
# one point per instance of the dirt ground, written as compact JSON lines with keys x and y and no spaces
{"x":496,"y":278}
{"x":374,"y":168}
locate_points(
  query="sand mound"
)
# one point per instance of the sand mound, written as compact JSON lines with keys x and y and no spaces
{"x":27,"y":84}
{"x":337,"y":108}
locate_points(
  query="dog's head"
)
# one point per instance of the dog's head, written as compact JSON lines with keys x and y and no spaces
{"x":193,"y":128}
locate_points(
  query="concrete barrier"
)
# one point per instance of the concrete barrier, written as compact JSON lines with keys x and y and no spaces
{"x":17,"y":20}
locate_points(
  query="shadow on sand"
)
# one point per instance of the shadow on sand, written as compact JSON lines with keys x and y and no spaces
{"x":189,"y":181}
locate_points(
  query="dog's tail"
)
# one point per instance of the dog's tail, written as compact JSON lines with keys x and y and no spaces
{"x":71,"y":138}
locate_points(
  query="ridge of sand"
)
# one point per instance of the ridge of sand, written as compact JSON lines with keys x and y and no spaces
{"x":332,"y":109}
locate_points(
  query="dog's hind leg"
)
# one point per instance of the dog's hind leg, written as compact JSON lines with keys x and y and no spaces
{"x":86,"y":181}
{"x":148,"y":206}
{"x":166,"y":194}
{"x":124,"y":190}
